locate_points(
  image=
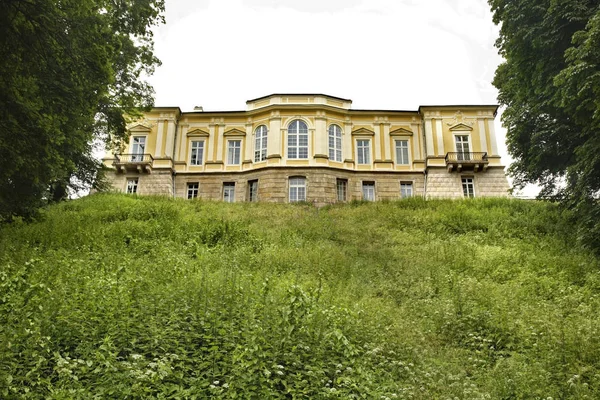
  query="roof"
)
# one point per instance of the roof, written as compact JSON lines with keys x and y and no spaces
{"x":297,"y":94}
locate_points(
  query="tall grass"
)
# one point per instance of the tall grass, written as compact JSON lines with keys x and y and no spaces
{"x":113,"y":296}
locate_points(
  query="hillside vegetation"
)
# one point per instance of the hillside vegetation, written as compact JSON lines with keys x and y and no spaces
{"x":113,"y":296}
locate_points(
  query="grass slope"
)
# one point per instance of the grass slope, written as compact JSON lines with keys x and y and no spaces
{"x":113,"y":296}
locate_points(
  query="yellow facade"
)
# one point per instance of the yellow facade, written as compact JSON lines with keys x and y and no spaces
{"x":280,"y":135}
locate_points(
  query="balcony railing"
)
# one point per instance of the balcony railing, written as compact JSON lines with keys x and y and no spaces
{"x":133,"y":161}
{"x":466,"y":160}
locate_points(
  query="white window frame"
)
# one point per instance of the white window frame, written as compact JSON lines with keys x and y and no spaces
{"x":193,"y":188}
{"x":363,"y":151}
{"x":297,"y":132}
{"x":402,"y":152}
{"x":138,"y":148}
{"x":234,"y":151}
{"x":297,"y":189}
{"x":197,"y":150}
{"x":251,"y":183}
{"x":335,"y":143}
{"x":368,"y":191}
{"x":341,"y":189}
{"x":131,"y":186}
{"x":406,"y":190}
{"x":229,"y":192}
{"x":468,"y":186}
{"x":260,"y":143}
{"x":460,"y":146}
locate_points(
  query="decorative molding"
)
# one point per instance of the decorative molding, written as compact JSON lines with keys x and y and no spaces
{"x":460,"y":119}
{"x":198,"y":133}
{"x":234,"y":132}
{"x":362,"y":131}
{"x":401,"y":132}
{"x":461,"y":127}
{"x":139,"y":128}
{"x":324,"y":156}
{"x":214,"y":163}
{"x":274,"y":156}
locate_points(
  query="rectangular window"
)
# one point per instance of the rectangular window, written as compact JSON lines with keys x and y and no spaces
{"x":138,"y":148}
{"x":228,"y":192}
{"x":253,"y":190}
{"x":402,"y":152}
{"x":368,"y":189}
{"x":297,"y":189}
{"x":468,"y":187}
{"x":192,"y":190}
{"x":197,"y":152}
{"x":132,"y":185}
{"x":342,"y":189}
{"x":364,"y":154}
{"x":234,"y":148}
{"x":462,"y":147}
{"x":406,"y":190}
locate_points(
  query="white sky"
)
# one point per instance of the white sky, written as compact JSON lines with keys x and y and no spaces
{"x":382,"y":54}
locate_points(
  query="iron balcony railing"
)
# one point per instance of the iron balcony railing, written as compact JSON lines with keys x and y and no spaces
{"x":466,"y":157}
{"x":134,"y":158}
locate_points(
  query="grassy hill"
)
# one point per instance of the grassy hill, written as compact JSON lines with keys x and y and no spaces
{"x":113,"y":296}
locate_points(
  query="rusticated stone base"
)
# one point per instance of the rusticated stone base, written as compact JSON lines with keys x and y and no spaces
{"x":448,"y":185}
{"x":158,"y":182}
{"x":321,"y":183}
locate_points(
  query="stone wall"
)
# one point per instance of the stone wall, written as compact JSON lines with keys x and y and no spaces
{"x":159,"y":182}
{"x":448,"y":185}
{"x":320,"y":184}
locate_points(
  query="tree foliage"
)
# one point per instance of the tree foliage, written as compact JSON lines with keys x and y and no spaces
{"x":550,"y":85}
{"x":70,"y":70}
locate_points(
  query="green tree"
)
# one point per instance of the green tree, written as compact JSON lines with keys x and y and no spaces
{"x":70,"y":71}
{"x":550,"y":85}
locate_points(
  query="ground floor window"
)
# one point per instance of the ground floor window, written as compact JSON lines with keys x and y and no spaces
{"x":342,"y":189}
{"x":468,"y":187}
{"x":192,"y":190}
{"x":368,"y":189}
{"x":297,"y":189}
{"x":253,"y":190}
{"x":229,"y":192}
{"x":406,"y":189}
{"x":132,"y":185}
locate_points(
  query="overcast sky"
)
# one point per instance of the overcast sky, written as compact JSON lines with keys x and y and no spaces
{"x":382,"y":54}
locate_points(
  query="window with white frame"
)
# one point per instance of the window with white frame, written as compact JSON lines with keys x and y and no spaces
{"x":402,"y":152}
{"x":462,"y":147}
{"x":253,"y":190}
{"x":363,"y":151}
{"x":335,"y":143}
{"x":297,"y":140}
{"x":406,"y":189}
{"x":468,"y":187}
{"x":192,"y":190}
{"x":297,"y":189}
{"x":229,"y":192}
{"x":368,"y":189}
{"x":260,"y":144}
{"x":234,"y":148}
{"x":132,"y":185}
{"x":197,"y":152}
{"x":137,"y":148}
{"x":342,"y":189}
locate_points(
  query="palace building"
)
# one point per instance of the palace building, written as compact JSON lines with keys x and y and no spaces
{"x":314,"y":148}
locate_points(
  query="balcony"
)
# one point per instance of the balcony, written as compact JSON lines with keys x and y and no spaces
{"x":466,"y":161}
{"x":133,"y":162}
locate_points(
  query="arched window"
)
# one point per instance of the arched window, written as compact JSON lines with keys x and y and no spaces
{"x":335,"y":143}
{"x":260,"y":145}
{"x":297,"y":139}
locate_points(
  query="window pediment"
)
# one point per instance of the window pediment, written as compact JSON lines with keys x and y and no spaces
{"x":461,"y":127}
{"x":234,"y":132}
{"x":401,"y":131}
{"x":363,"y":131}
{"x":139,"y":129}
{"x":198,"y":133}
